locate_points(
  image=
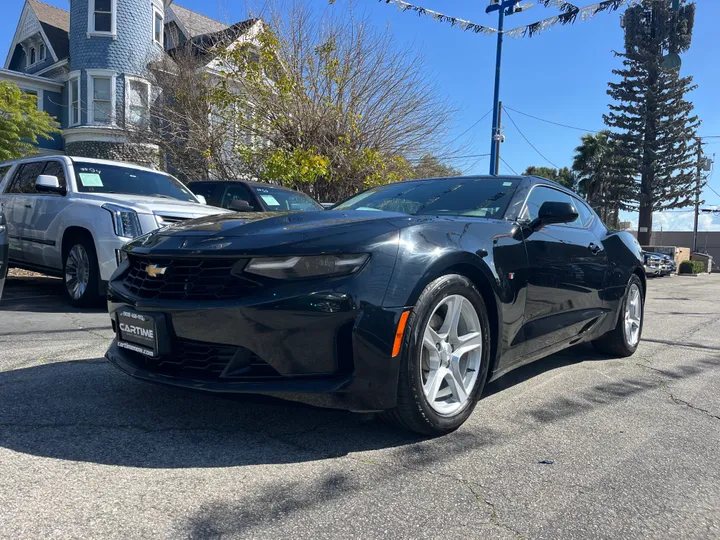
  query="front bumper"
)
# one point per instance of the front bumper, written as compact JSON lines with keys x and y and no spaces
{"x":292,"y":339}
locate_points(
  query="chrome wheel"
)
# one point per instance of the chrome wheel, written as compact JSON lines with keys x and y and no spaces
{"x":77,"y":272}
{"x":451,"y":354}
{"x":633,"y":315}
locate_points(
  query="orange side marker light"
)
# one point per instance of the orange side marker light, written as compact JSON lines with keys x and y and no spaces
{"x":399,"y":333}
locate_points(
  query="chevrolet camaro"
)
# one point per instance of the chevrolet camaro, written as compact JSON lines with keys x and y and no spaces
{"x":405,"y":299}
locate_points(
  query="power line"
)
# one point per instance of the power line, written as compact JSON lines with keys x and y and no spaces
{"x":551,"y":122}
{"x":475,"y":124}
{"x":508,"y":166}
{"x":528,"y":141}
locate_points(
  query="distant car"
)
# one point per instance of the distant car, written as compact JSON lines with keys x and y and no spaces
{"x":652,"y":264}
{"x":4,"y":251}
{"x":70,"y":216}
{"x":245,"y":196}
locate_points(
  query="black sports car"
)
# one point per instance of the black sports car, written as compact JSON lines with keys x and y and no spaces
{"x":404,"y":299}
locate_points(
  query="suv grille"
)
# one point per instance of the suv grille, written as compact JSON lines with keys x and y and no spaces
{"x":186,"y":279}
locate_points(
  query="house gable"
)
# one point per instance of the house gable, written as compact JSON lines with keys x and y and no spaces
{"x":42,"y":33}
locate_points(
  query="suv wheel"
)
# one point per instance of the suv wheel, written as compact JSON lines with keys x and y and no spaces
{"x":81,"y":272}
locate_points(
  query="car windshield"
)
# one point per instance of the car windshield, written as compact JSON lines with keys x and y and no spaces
{"x":475,"y":197}
{"x":103,"y":178}
{"x":278,"y":199}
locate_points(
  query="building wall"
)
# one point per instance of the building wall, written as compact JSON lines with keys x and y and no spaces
{"x":53,"y":104}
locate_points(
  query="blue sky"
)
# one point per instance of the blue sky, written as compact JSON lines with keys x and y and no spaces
{"x":559,"y":75}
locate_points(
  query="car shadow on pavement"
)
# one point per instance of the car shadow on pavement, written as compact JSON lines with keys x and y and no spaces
{"x":39,"y":294}
{"x":88,"y":411}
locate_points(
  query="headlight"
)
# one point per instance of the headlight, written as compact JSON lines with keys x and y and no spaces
{"x":306,"y":267}
{"x":125,"y":220}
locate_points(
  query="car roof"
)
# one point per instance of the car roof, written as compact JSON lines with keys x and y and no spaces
{"x":247,"y":182}
{"x":73,"y":159}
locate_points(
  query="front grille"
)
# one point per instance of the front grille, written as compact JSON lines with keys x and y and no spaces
{"x":169,"y":220}
{"x":186,"y":279}
{"x":207,"y":361}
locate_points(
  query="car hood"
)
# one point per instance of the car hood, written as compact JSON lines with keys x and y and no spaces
{"x":247,"y":232}
{"x":154,"y":205}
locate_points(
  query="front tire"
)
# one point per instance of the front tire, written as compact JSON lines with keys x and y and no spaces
{"x":445,"y":358}
{"x":81,"y":272}
{"x":624,"y":339}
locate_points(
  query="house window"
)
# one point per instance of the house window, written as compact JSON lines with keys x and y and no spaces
{"x":74,"y":100}
{"x":101,"y":96}
{"x":158,"y":26}
{"x":102,"y":14}
{"x":33,"y":56}
{"x":43,"y":53}
{"x":102,"y":102}
{"x":137,"y":101}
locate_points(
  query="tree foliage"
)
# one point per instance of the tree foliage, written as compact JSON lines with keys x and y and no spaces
{"x":328,"y":104}
{"x":430,"y":166}
{"x":651,"y":122}
{"x":564,"y":176}
{"x":604,"y":175}
{"x":21,"y":124}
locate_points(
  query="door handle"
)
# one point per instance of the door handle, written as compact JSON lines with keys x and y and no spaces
{"x":28,"y":206}
{"x":594,"y":248}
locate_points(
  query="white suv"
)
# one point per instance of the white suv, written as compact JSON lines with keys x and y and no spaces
{"x":69,"y":216}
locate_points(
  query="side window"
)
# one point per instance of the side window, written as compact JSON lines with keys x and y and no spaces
{"x":212,"y":192}
{"x":539,"y":195}
{"x":55,"y":168}
{"x":586,"y":215}
{"x":236,"y":192}
{"x":3,"y":171}
{"x":25,"y":177}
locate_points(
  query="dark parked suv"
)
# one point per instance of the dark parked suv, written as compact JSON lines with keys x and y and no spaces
{"x":244,"y":196}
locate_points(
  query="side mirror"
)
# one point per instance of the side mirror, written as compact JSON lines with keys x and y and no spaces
{"x":201,"y":199}
{"x":46,"y":183}
{"x":553,"y":212}
{"x":240,"y":205}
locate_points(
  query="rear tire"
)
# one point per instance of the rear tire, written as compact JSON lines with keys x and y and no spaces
{"x":81,"y":273}
{"x":622,"y":340}
{"x":445,"y":359}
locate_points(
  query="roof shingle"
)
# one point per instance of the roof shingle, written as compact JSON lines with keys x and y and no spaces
{"x":195,"y":23}
{"x":56,"y":24}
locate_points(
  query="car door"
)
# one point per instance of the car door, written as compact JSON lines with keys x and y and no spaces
{"x":41,"y":224}
{"x":567,"y":264}
{"x":18,"y":204}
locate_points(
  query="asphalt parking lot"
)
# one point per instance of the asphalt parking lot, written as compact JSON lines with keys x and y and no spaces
{"x":86,"y":451}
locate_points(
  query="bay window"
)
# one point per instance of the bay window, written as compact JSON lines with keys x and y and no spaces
{"x":101,"y":96}
{"x":137,"y":101}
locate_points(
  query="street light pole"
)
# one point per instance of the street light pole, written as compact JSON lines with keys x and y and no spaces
{"x":500,"y":6}
{"x":697,"y":194}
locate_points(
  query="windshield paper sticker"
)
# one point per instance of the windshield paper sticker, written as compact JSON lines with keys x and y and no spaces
{"x":90,"y":179}
{"x":269,"y":199}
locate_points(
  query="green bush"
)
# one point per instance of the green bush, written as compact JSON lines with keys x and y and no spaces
{"x":692,"y":267}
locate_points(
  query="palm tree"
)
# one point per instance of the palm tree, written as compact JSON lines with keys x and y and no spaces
{"x":604,"y":174}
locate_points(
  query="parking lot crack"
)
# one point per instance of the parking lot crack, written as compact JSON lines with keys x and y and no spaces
{"x":679,"y":401}
{"x":494,"y":516}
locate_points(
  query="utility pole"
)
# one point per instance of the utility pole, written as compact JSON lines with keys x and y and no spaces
{"x":503,"y":7}
{"x":698,"y":181}
{"x":498,"y":140}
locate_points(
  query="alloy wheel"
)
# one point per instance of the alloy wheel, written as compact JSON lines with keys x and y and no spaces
{"x":451,"y":354}
{"x":633,"y":315}
{"x":77,"y":272}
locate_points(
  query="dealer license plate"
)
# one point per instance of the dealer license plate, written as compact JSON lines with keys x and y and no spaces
{"x":137,"y":332}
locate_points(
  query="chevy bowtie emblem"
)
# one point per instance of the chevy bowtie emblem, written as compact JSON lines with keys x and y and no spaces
{"x":153,"y":270}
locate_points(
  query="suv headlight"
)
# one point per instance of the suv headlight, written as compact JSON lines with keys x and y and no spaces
{"x":125,"y":220}
{"x":300,"y":267}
